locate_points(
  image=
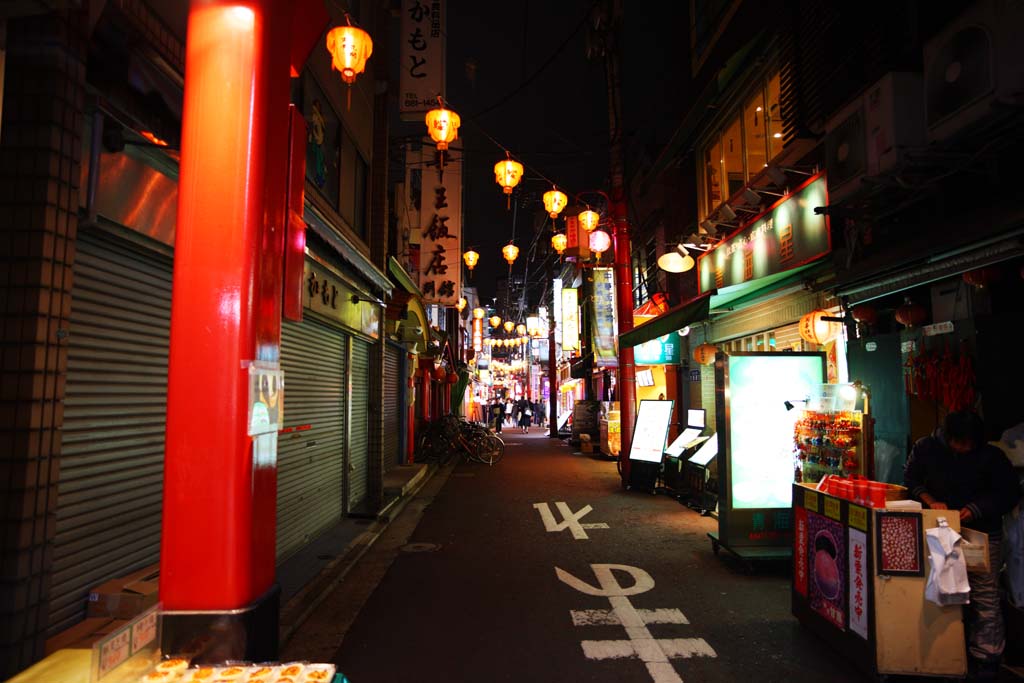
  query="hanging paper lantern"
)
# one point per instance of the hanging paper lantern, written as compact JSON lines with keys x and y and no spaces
{"x":511,"y":252}
{"x":589,"y":219}
{"x":461,"y":304}
{"x":443,"y":126}
{"x":479,"y":313}
{"x":705,"y":353}
{"x":453,"y":378}
{"x":521,"y":328}
{"x":911,"y":314}
{"x":350,"y":47}
{"x":559,"y":243}
{"x":509,"y":326}
{"x":471,"y":258}
{"x":815,"y":330}
{"x":508,"y":173}
{"x":554,"y":202}
{"x":599,"y":242}
{"x":440,"y":373}
{"x":864,"y":313}
{"x":981,"y":278}
{"x":495,"y":321}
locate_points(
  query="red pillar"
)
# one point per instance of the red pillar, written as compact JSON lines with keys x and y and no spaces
{"x":219,"y":491}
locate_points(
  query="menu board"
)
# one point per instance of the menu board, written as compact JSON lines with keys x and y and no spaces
{"x":650,"y":431}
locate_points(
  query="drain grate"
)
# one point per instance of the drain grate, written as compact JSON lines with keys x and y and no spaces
{"x":421,"y":547}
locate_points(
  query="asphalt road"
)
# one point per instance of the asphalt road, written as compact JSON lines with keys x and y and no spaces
{"x":469,"y":585}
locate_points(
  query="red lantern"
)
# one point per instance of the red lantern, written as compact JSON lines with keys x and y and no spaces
{"x":911,"y":314}
{"x":864,"y":313}
{"x":705,"y":353}
{"x":440,"y":373}
{"x":983,"y":277}
{"x":452,"y":378}
{"x":814,"y":329}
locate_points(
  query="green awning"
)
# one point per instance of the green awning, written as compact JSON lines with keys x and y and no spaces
{"x":700,"y":308}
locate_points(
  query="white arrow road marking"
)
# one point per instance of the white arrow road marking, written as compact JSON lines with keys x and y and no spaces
{"x":571,"y":519}
{"x":653,"y":652}
{"x":606,"y":617}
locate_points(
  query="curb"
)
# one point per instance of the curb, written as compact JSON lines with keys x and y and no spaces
{"x":305,"y":602}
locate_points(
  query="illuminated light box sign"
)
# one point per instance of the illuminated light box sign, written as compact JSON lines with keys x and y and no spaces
{"x":650,"y":430}
{"x":761,"y":429}
{"x":570,"y":320}
{"x":787,"y":235}
{"x":661,"y":351}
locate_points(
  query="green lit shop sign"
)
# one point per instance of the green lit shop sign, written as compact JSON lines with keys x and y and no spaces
{"x":786,"y":236}
{"x":661,"y":351}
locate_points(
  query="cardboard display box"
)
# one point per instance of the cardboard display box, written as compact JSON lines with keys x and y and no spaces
{"x":83,"y":634}
{"x":125,"y":597}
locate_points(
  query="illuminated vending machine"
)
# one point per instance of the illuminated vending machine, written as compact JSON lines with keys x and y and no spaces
{"x":754,"y":395}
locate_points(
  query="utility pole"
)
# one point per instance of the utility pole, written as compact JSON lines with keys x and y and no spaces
{"x":620,"y":220}
{"x":552,"y":363}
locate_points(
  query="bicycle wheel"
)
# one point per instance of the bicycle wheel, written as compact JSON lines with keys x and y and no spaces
{"x":490,"y":450}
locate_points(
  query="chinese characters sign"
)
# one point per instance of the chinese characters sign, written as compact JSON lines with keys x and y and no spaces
{"x":858,"y":583}
{"x":478,"y":334}
{"x":661,"y":351}
{"x":422,"y":57}
{"x":605,"y":328}
{"x":570,"y":320}
{"x":788,"y":235}
{"x":331,"y":298}
{"x":440,"y":267}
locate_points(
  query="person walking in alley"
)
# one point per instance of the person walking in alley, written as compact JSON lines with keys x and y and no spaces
{"x":524,"y":413}
{"x":497,"y":415}
{"x":955,"y":469}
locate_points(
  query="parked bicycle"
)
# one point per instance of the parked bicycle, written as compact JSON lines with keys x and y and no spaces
{"x":451,"y":436}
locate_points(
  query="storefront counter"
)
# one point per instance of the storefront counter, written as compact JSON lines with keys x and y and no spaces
{"x":872,"y":608}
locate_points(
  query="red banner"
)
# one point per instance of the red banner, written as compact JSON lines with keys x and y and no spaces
{"x":800,"y":552}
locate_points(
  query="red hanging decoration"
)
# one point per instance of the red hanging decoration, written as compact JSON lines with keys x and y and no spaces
{"x":911,"y":314}
{"x":864,"y":313}
{"x":981,"y":278}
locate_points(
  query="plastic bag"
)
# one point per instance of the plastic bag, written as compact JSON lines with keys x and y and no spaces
{"x":1013,"y":547}
{"x":947,"y":582}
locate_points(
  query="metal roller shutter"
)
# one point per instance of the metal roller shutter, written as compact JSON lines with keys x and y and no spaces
{"x":392,"y":397}
{"x":112,"y":449}
{"x":358,"y":442}
{"x":310,"y":451}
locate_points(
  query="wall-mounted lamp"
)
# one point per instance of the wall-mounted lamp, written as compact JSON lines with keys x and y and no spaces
{"x":751,"y":197}
{"x":777,"y":176}
{"x":676,"y":261}
{"x":727,"y":212}
{"x":789,"y":404}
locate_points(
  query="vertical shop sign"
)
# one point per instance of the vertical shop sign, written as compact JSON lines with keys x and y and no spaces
{"x":558,"y":310}
{"x":441,"y":238}
{"x":422,"y":57}
{"x":858,"y":583}
{"x":606,"y":348}
{"x":570,"y":320}
{"x":478,"y":334}
{"x":800,"y":552}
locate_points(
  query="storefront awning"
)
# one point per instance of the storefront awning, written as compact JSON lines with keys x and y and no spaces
{"x":700,"y":308}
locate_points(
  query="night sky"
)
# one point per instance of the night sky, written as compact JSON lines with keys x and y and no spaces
{"x":518,"y":75}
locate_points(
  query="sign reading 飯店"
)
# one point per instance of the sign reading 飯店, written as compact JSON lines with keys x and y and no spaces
{"x":787,"y":235}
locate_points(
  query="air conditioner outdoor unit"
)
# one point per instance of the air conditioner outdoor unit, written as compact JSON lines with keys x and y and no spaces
{"x":973,"y":64}
{"x":869,"y":135}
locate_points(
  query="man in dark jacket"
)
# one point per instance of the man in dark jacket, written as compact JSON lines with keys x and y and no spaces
{"x":955,"y":469}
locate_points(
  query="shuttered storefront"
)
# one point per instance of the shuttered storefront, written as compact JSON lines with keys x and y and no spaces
{"x":310,"y":452}
{"x":358,"y":433}
{"x":111,"y":466}
{"x":393,"y":379}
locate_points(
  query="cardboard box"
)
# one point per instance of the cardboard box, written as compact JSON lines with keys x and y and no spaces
{"x":83,"y":634}
{"x":126,"y":597}
{"x":976,"y":550}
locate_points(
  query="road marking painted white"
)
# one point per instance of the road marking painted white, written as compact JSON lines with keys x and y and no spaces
{"x":653,"y":652}
{"x":606,"y":617}
{"x":571,"y":520}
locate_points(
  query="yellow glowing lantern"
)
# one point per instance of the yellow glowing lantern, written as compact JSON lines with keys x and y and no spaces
{"x":599,"y":242}
{"x":511,"y":253}
{"x":559,"y":243}
{"x":705,"y":354}
{"x":589,"y":219}
{"x":509,"y":325}
{"x":462,"y":304}
{"x":814,"y":329}
{"x":554,"y":202}
{"x":479,"y":313}
{"x":508,"y":173}
{"x":495,"y":321}
{"x":350,"y":47}
{"x":443,"y":126}
{"x":521,"y":328}
{"x":471,"y":258}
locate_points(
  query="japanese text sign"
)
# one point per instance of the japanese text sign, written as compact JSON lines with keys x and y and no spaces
{"x":422,"y":51}
{"x":440,"y":271}
{"x":605,"y":326}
